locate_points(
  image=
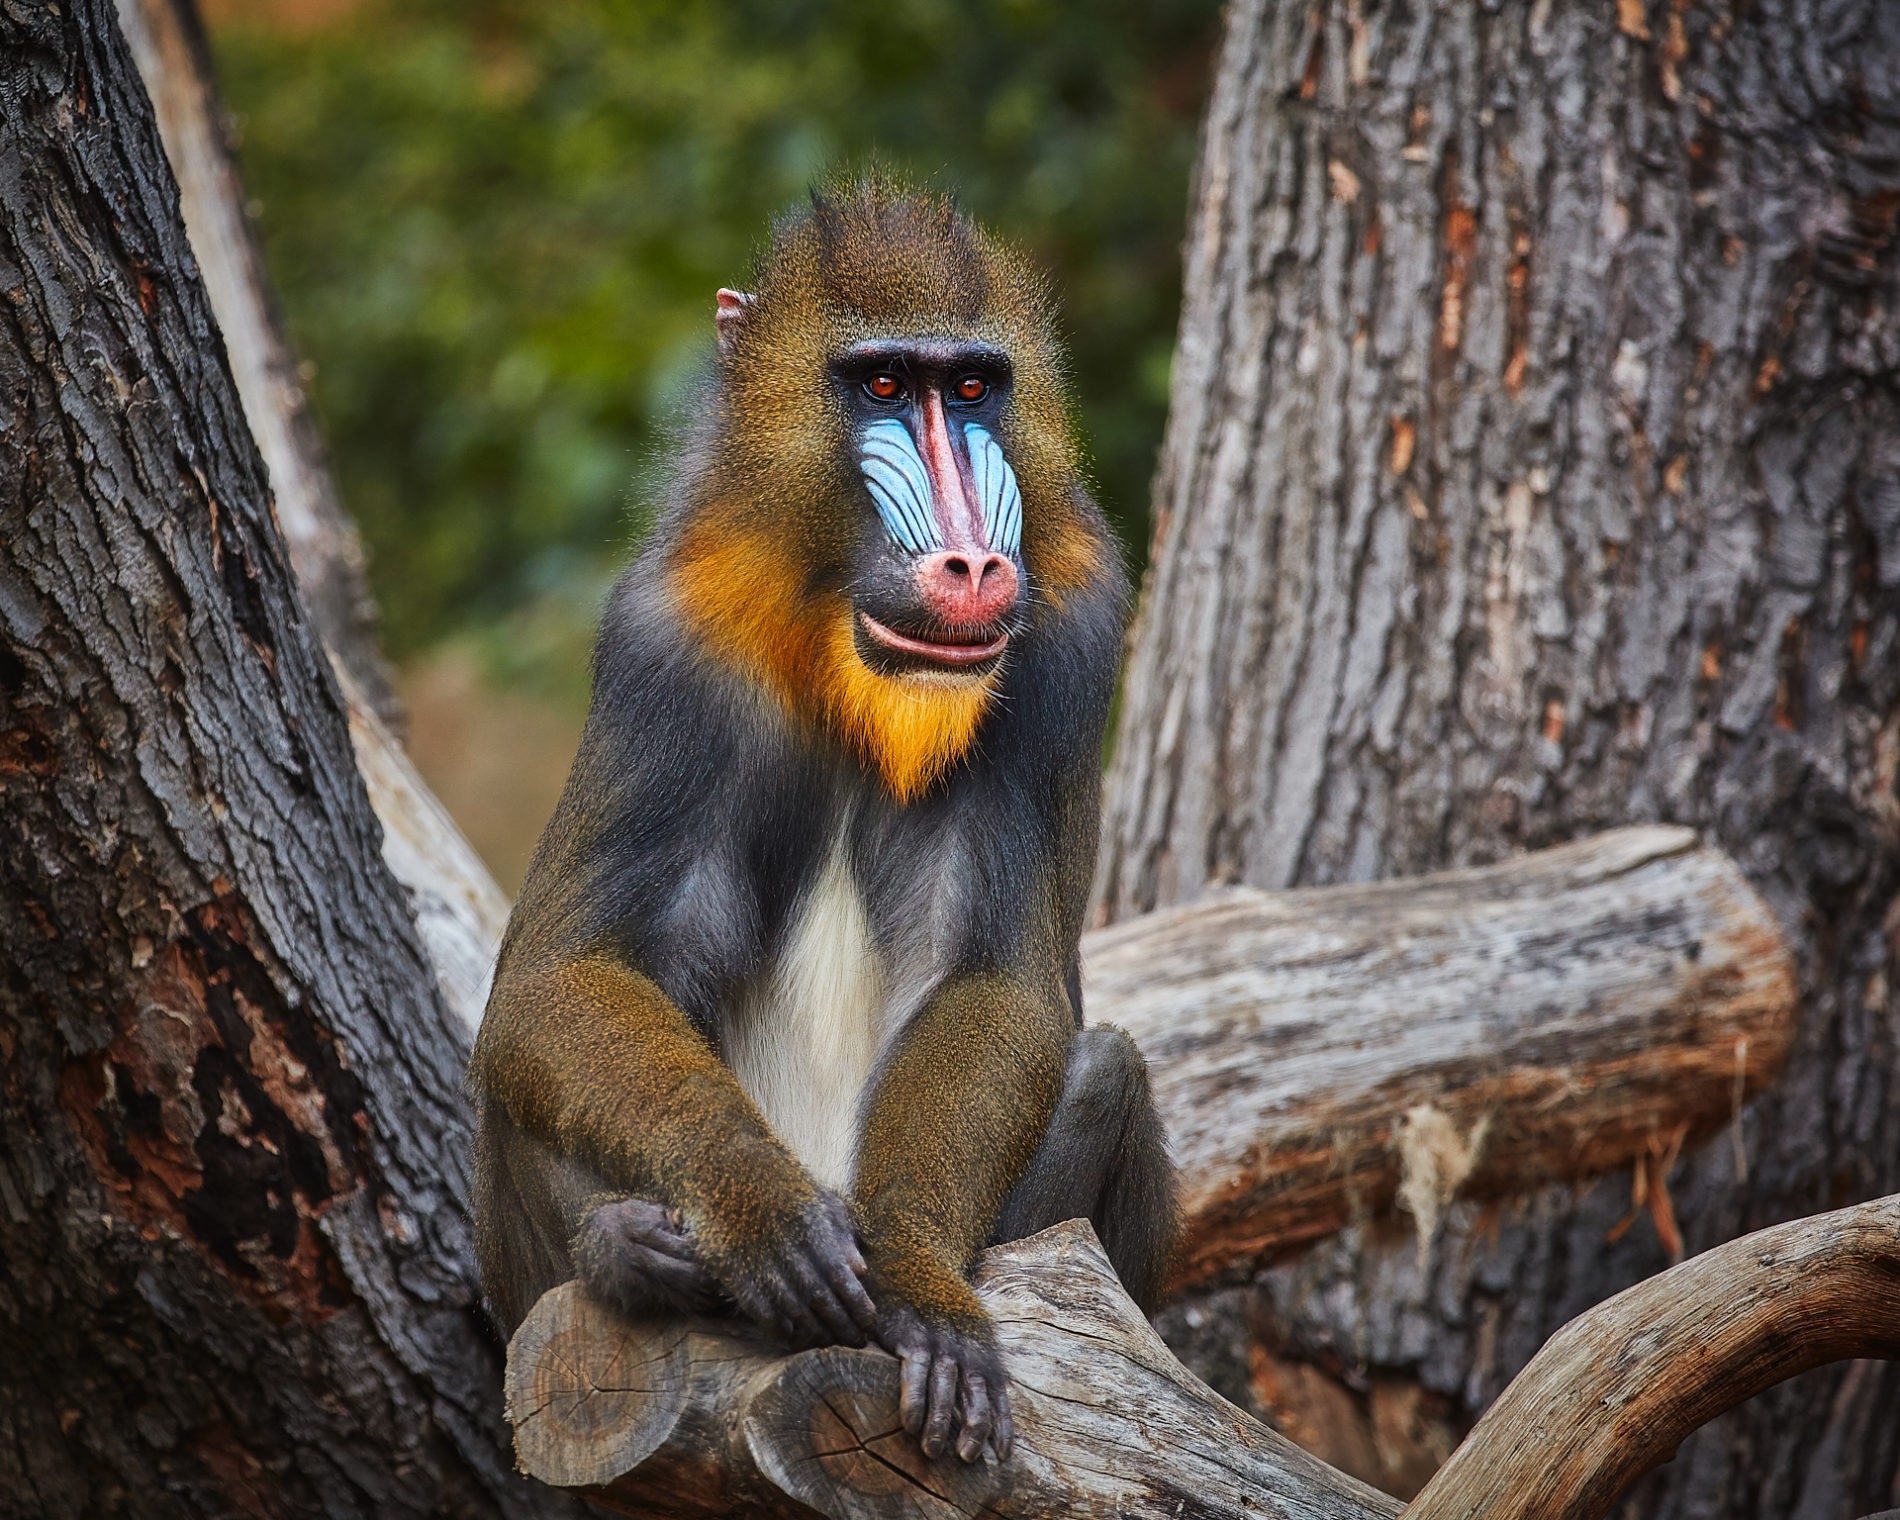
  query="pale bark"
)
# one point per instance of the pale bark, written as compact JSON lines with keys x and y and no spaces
{"x":692,"y":1420}
{"x":1317,"y":1053}
{"x":1534,"y":468}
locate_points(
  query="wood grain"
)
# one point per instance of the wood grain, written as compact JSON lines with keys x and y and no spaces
{"x":1563,"y":1009}
{"x":1108,"y":1422}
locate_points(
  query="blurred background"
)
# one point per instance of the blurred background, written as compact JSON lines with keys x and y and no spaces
{"x":496,"y":227}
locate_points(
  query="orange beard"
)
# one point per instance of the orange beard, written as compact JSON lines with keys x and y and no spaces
{"x":744,"y":597}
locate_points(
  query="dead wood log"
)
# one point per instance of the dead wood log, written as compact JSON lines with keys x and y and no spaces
{"x":1328,"y":1050}
{"x":692,"y":1420}
{"x":1614,"y":1392}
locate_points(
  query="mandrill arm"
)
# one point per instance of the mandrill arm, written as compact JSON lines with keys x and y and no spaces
{"x":961,"y":1106}
{"x":601,"y":1077}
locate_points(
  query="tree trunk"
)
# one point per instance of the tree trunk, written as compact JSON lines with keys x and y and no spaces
{"x":235,"y":1274}
{"x":457,"y":906}
{"x":1534,"y":467}
{"x":324,"y":547}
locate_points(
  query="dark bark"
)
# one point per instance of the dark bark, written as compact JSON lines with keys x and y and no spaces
{"x":234,"y":1266}
{"x":1534,"y":467}
{"x":457,"y":906}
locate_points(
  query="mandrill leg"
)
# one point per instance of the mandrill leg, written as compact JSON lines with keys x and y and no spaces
{"x":1104,"y":1158}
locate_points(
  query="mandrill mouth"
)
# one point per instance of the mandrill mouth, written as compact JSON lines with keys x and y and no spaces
{"x":953,"y":652}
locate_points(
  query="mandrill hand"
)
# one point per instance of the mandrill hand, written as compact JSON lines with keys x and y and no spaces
{"x":635,"y":1256}
{"x":952,"y":1380}
{"x":801,"y":1279}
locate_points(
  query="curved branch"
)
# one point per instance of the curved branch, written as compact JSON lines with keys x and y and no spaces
{"x":1615,"y":1391}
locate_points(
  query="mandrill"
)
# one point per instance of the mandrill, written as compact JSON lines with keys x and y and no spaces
{"x":788,"y":1020}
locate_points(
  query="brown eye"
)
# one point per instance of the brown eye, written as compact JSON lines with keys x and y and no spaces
{"x":885,"y":387}
{"x":972,"y":388}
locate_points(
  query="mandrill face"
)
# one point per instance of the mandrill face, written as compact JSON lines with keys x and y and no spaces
{"x":888,"y":471}
{"x":939,"y":583}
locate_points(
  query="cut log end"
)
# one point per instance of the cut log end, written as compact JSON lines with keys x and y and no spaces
{"x":590,"y":1395}
{"x":702,"y":1420}
{"x":823,"y":1427}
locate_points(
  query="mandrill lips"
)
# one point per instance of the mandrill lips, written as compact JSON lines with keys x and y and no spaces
{"x":953,"y":653}
{"x":963,"y":598}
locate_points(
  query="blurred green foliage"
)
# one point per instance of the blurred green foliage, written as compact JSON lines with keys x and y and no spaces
{"x":496,"y":227}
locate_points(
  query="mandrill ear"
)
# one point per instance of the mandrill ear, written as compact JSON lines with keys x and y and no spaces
{"x":729,"y":316}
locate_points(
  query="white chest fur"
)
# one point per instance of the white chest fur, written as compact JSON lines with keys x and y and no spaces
{"x":805,"y":1036}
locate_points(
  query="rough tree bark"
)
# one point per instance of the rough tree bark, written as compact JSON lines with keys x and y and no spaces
{"x":325,"y":549}
{"x":1534,"y":466}
{"x":458,"y":908}
{"x":234,"y":1266}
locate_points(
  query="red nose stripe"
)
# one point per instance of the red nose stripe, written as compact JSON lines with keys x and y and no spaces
{"x":952,"y":500}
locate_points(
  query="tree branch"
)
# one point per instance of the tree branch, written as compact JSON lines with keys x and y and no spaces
{"x":693,"y":1420}
{"x":1323,"y":1051}
{"x":459,"y":910}
{"x":325,"y":549}
{"x":1615,"y":1391}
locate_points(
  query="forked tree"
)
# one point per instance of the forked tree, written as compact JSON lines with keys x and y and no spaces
{"x":241,"y":947}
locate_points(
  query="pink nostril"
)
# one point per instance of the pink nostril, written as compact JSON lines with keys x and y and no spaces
{"x":967,"y":591}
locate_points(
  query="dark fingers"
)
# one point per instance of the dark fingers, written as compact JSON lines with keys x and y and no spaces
{"x":826,"y":1304}
{"x":852,"y":1294}
{"x":974,"y":1407}
{"x":943,"y":1405}
{"x":913,"y":1401}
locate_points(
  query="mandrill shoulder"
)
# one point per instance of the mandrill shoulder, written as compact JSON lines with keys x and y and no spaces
{"x":691,"y":818}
